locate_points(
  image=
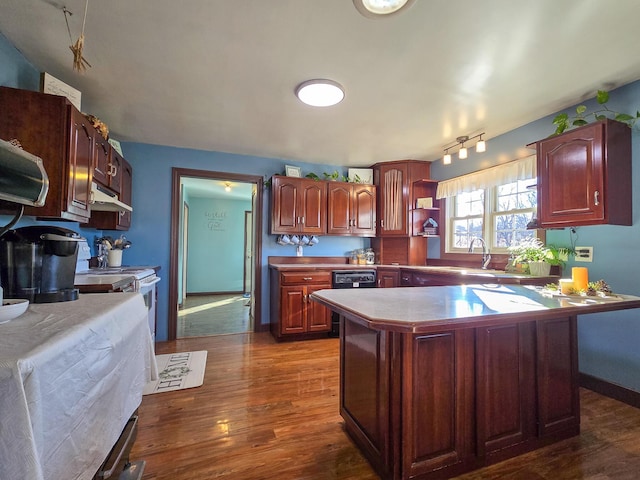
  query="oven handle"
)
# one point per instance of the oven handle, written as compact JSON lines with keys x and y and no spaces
{"x":150,"y":282}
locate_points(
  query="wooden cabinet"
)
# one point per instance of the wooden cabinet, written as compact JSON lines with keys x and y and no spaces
{"x":388,"y":277}
{"x":49,"y":127}
{"x":443,"y":402}
{"x":395,"y":241}
{"x":293,"y":314}
{"x":120,"y":220}
{"x":298,"y":206}
{"x":584,"y":176}
{"x":351,"y":209}
{"x":108,"y":165}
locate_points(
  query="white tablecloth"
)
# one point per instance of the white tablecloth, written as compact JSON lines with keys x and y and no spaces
{"x":71,"y":375}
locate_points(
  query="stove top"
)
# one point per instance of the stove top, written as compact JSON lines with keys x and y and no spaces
{"x":137,"y":272}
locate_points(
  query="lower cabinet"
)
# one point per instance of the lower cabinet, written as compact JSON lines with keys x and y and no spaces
{"x":388,"y":277}
{"x":293,"y":314}
{"x":438,"y":404}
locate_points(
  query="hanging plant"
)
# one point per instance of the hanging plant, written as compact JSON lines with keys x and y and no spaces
{"x":79,"y":62}
{"x":563,"y":121}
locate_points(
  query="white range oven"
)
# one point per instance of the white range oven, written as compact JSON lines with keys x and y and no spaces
{"x":136,"y":279}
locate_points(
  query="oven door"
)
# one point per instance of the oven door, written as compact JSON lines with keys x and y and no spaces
{"x":147,"y":288}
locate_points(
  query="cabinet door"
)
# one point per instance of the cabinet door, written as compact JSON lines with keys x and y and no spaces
{"x":570,"y":178}
{"x":388,"y":278}
{"x":339,"y":215}
{"x":318,"y":316}
{"x":557,"y":366}
{"x":506,"y":386}
{"x":116,"y":165}
{"x":101,"y":160}
{"x":363,"y":216}
{"x":292,"y":310}
{"x":80,"y":164}
{"x":313,"y":207}
{"x":284,"y":205}
{"x":393,"y":204}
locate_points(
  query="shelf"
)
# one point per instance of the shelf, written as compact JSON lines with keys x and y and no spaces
{"x":435,"y":209}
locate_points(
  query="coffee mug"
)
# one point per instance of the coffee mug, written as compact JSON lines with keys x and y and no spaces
{"x":304,"y":240}
{"x":313,"y":240}
{"x":295,"y":240}
{"x":284,"y":240}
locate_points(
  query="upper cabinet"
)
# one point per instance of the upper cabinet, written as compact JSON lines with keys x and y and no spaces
{"x":396,"y":195}
{"x":107,"y":164}
{"x":49,"y":127}
{"x":351,"y":209}
{"x":298,"y":205}
{"x":584,"y":176}
{"x":425,"y":209}
{"x":117,"y":220}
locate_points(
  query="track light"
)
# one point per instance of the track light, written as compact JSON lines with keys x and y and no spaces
{"x":463,"y":152}
{"x":227,"y":186}
{"x":481,"y":146}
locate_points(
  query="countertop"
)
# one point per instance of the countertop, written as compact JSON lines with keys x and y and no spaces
{"x":477,"y":274}
{"x":421,"y":309}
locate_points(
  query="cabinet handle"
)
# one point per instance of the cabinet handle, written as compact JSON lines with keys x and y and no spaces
{"x":305,"y":298}
{"x":307,"y":278}
{"x":382,"y":223}
{"x":596,"y":200}
{"x":113,"y":169}
{"x":302,"y":220}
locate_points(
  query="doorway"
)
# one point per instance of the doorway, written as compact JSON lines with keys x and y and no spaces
{"x":218,"y":223}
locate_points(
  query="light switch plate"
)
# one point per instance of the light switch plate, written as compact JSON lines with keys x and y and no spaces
{"x":584,"y":254}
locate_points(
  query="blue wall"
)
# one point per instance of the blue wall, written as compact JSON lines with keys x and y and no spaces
{"x":608,"y":343}
{"x":216,"y":245}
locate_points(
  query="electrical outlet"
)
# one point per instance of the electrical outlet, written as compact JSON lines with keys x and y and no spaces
{"x":584,"y":254}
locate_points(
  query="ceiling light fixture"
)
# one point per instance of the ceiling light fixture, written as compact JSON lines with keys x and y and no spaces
{"x":381,"y":8}
{"x":320,"y":92}
{"x":463,"y":153}
{"x":227,"y":186}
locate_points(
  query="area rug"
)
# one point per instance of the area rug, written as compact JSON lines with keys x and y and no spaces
{"x":177,"y":371}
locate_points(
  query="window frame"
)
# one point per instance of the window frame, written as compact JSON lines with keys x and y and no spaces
{"x":499,"y":257}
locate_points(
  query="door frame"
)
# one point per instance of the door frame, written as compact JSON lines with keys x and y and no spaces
{"x":176,"y":207}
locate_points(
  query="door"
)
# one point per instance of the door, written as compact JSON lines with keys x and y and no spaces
{"x":179,"y":246}
{"x":248,"y":251}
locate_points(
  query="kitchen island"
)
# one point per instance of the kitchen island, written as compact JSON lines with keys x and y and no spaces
{"x":438,"y":381}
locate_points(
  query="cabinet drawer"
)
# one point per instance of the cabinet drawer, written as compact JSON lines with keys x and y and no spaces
{"x":303,"y":278}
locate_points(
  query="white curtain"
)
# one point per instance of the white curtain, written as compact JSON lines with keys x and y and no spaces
{"x":520,"y":169}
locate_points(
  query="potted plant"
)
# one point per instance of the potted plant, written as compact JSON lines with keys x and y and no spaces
{"x":563,"y":122}
{"x":535,"y":255}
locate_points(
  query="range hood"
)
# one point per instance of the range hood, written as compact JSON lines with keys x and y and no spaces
{"x":23,"y":179}
{"x":102,"y":200}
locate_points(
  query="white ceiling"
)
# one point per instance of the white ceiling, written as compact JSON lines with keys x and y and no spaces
{"x":219,"y":74}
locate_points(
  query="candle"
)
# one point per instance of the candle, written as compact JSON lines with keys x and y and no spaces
{"x":566,"y":286}
{"x":580,"y":276}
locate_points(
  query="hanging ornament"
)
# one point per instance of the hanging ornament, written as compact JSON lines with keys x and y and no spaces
{"x":79,"y":62}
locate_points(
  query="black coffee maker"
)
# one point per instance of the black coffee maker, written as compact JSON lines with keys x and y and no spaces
{"x":38,"y":263}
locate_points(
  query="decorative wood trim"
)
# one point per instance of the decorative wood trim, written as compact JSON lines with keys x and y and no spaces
{"x":176,"y":207}
{"x":307,"y":260}
{"x":611,"y":390}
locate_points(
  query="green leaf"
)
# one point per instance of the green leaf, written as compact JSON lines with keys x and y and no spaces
{"x":601,"y":117}
{"x":581,"y":109}
{"x":561,"y":118}
{"x":579,"y":122}
{"x":561,"y":128}
{"x":603,"y":97}
{"x":623,"y":117}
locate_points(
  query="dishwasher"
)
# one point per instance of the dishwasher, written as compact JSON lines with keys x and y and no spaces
{"x":349,"y":279}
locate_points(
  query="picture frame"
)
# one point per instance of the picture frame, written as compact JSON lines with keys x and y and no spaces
{"x":361,"y":175}
{"x":426,"y":202}
{"x":291,"y":171}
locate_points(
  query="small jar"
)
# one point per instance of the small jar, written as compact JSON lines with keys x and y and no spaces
{"x":370,"y":256}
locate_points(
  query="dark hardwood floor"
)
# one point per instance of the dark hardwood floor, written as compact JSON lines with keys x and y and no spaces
{"x":270,"y":411}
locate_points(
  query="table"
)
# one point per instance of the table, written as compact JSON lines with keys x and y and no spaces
{"x":71,"y":375}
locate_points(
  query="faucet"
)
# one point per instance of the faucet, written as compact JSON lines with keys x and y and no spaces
{"x":486,"y":256}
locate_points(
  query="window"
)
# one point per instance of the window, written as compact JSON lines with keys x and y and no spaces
{"x":497,"y":214}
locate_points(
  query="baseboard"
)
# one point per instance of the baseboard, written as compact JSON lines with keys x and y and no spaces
{"x":611,"y":390}
{"x":204,"y":294}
